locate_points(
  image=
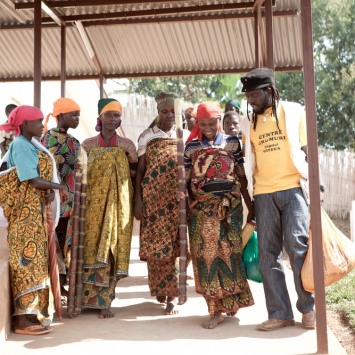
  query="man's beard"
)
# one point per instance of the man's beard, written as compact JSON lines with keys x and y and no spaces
{"x":266,"y":104}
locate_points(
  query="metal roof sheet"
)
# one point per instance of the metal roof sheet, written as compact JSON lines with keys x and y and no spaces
{"x":172,"y":47}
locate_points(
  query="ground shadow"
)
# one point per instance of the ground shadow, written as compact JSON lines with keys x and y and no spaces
{"x":129,"y":324}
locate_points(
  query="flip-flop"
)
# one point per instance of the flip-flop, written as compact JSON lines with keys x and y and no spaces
{"x":33,"y":330}
{"x":64,"y":301}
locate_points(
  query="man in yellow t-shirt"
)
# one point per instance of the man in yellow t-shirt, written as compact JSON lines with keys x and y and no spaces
{"x":274,"y":140}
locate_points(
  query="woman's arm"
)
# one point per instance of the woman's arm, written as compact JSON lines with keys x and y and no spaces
{"x":139,"y":208}
{"x":2,"y":147}
{"x":42,"y":184}
{"x":244,"y":190}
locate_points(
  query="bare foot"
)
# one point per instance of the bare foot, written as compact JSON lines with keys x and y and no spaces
{"x":212,"y":323}
{"x":188,"y":277}
{"x":106,"y":313}
{"x":171,"y":307}
{"x":231,"y":314}
{"x":161,"y":299}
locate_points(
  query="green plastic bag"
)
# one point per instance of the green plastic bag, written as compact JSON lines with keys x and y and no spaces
{"x":251,"y":259}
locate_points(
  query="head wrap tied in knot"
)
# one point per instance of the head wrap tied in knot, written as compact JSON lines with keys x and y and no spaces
{"x":62,"y":105}
{"x":207,"y":109}
{"x":18,"y":116}
{"x":105,"y":105}
{"x":234,"y":103}
{"x":165,"y":99}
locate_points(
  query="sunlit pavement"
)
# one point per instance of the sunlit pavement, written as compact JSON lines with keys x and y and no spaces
{"x":140,"y":327}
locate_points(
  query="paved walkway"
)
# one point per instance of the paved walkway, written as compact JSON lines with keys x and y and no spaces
{"x":140,"y":327}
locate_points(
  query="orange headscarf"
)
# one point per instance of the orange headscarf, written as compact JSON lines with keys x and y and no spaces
{"x":207,"y":109}
{"x":62,"y":105}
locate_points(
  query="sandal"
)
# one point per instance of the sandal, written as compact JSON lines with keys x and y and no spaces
{"x":33,"y":330}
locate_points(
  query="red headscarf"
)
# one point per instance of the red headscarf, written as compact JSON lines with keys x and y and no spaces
{"x":207,"y":109}
{"x":18,"y":116}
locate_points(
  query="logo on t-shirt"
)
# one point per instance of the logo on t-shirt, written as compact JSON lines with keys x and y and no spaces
{"x":270,"y":141}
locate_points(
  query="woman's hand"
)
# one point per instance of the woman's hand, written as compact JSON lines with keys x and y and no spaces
{"x":77,"y":166}
{"x":251,"y":215}
{"x":236,"y":191}
{"x":180,"y":195}
{"x":139,"y":210}
{"x":49,"y":197}
{"x":64,"y":196}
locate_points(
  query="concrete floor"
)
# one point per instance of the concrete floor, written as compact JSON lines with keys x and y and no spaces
{"x":140,"y":327}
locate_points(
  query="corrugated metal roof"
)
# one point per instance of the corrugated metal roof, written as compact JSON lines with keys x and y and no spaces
{"x":148,"y":48}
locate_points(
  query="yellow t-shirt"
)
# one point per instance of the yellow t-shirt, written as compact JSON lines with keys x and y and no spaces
{"x":274,"y":170}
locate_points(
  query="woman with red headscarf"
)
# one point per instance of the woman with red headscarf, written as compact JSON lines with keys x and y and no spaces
{"x":31,"y":171}
{"x":215,"y":176}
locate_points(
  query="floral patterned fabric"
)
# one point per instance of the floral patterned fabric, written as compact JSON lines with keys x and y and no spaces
{"x":65,"y":148}
{"x":215,"y":226}
{"x":27,"y":238}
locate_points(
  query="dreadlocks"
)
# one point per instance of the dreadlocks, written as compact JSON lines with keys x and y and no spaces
{"x":275,"y":98}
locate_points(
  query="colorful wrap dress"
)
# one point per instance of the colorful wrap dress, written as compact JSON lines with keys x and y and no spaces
{"x":159,"y":234}
{"x":65,"y":149}
{"x":108,"y":220}
{"x":215,"y":223}
{"x":27,"y":230}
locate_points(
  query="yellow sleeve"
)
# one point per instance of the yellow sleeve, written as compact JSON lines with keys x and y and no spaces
{"x":303,"y":129}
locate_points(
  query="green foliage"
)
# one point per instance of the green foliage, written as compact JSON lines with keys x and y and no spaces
{"x":191,"y":88}
{"x":341,"y":297}
{"x":334,"y":56}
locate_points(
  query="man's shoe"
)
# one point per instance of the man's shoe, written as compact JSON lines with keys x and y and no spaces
{"x":274,"y":324}
{"x":309,"y":320}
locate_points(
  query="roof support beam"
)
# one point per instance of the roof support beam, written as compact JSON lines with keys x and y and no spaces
{"x":269,"y":34}
{"x":10,"y":6}
{"x":79,"y":3}
{"x":63,"y":70}
{"x":153,"y":75}
{"x":154,"y":20}
{"x":84,"y":36}
{"x":37,"y":74}
{"x":53,"y":14}
{"x":257,"y":40}
{"x":161,"y":20}
{"x":262,"y":40}
{"x":155,"y":12}
{"x":313,"y":169}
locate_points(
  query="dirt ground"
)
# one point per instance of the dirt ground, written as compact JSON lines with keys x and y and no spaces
{"x":338,"y":323}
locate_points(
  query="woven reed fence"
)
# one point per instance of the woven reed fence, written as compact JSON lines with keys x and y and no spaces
{"x":139,"y":114}
{"x":338,"y":169}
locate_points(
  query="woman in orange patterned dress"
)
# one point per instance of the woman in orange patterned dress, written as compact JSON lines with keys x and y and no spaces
{"x":22,"y":196}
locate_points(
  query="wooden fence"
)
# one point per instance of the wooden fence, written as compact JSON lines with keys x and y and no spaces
{"x":139,"y":114}
{"x":338,"y":169}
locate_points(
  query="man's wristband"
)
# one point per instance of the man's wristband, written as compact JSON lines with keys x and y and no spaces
{"x":322,"y":188}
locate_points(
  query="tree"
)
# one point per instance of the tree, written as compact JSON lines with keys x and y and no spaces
{"x":191,"y":88}
{"x":334,"y":56}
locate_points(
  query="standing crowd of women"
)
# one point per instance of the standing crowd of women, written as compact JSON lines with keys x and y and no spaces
{"x":123,"y":182}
